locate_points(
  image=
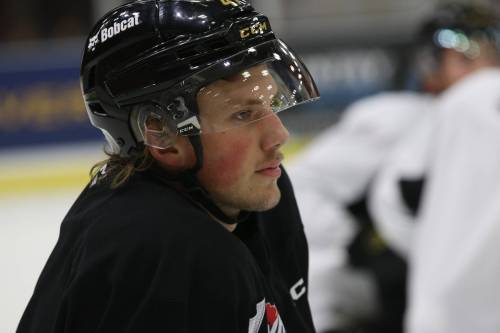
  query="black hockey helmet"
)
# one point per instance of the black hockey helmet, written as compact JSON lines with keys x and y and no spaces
{"x":457,"y":25}
{"x":146,"y":63}
{"x":461,"y":27}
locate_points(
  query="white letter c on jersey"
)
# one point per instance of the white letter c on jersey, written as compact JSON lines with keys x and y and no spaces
{"x":295,"y":292}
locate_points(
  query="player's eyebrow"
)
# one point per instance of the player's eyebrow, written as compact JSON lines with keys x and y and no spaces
{"x":247,"y":101}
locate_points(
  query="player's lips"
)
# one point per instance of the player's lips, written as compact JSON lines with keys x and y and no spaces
{"x":271,"y":169}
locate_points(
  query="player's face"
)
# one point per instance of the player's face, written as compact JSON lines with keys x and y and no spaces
{"x":456,"y":65}
{"x":241,"y":163}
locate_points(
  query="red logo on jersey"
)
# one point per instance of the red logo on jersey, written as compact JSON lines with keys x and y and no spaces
{"x":274,"y":322}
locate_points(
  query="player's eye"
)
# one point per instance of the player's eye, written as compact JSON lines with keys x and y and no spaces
{"x":243,"y":115}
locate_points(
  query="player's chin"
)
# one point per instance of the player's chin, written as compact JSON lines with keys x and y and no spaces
{"x":269,"y":200}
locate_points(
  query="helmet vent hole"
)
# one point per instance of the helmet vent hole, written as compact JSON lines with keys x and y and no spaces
{"x":97,"y":109}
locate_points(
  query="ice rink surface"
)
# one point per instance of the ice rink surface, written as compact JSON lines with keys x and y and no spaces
{"x":37,"y":187}
{"x":28,"y":231}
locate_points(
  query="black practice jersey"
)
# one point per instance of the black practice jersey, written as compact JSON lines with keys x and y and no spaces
{"x":144,"y":258}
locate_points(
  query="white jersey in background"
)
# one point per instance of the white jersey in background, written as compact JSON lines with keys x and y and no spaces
{"x":333,"y":171}
{"x":452,"y":242}
{"x":455,"y":260}
{"x":392,"y":215}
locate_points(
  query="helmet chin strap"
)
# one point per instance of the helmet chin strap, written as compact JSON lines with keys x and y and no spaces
{"x":196,"y":192}
{"x":198,"y":151}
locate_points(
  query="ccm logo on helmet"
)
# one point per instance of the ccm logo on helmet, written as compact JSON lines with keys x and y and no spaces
{"x":234,"y":3}
{"x":254,"y":29}
{"x":115,"y":29}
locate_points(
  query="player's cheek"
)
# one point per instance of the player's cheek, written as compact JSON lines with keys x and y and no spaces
{"x":232,"y":164}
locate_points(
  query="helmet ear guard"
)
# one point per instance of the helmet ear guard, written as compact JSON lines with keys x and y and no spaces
{"x":154,"y":129}
{"x":157,"y":126}
{"x":153,"y":126}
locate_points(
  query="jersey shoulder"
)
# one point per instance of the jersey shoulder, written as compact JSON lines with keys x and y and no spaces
{"x":144,"y":211}
{"x":479,"y":90}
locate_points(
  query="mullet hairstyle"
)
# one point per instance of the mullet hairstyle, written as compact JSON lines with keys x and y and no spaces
{"x":120,"y":169}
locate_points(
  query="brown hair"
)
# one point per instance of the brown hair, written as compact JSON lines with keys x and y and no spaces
{"x":120,"y":169}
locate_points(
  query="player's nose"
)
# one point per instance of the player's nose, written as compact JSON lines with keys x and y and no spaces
{"x":275,"y":133}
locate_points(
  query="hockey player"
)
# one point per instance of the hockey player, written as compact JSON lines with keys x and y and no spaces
{"x":357,"y":281}
{"x":466,"y":38}
{"x":450,"y":237}
{"x":191,"y":225}
{"x":454,"y":265}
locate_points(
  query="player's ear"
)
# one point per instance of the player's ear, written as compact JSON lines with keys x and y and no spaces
{"x":177,"y":157}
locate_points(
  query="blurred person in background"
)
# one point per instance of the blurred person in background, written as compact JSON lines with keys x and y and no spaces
{"x":357,"y":281}
{"x":191,"y":225}
{"x":451,"y":238}
{"x":435,"y":199}
{"x":469,"y":46}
